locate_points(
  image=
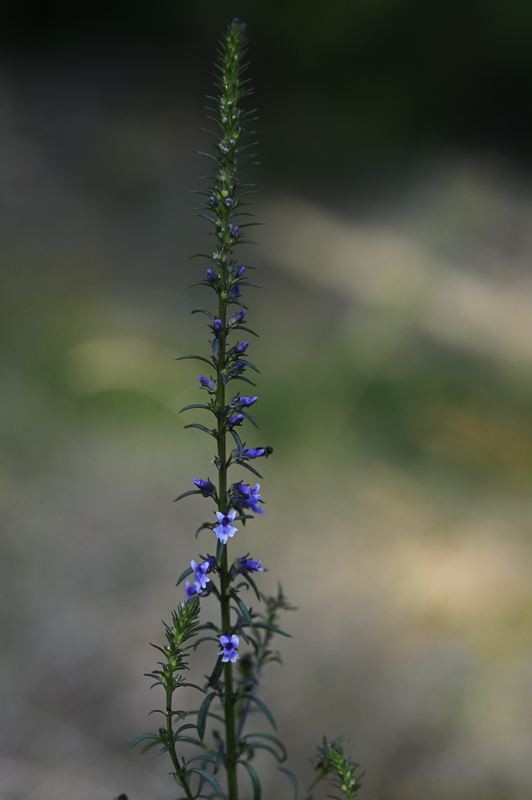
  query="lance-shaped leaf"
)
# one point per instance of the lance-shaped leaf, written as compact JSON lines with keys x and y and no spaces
{"x":187,"y":494}
{"x":255,"y":782}
{"x":202,"y":428}
{"x":186,"y":572}
{"x":211,"y":780}
{"x":270,"y":738}
{"x":215,"y":674}
{"x":202,"y":714}
{"x":293,"y":780}
{"x":196,"y":405}
{"x":195,"y":358}
{"x":202,"y":527}
{"x":261,"y":705}
{"x":244,"y":612}
{"x":248,"y":467}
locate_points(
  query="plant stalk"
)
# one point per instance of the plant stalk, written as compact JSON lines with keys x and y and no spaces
{"x":229,"y":698}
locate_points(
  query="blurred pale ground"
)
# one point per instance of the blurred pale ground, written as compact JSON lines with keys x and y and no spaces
{"x":396,"y":354}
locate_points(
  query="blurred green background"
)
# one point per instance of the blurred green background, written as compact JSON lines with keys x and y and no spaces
{"x":396,"y":386}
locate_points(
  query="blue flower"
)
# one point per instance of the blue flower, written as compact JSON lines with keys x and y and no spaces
{"x":229,"y":648}
{"x":234,"y":291}
{"x":245,"y":496}
{"x":200,"y":574}
{"x":257,"y":452}
{"x":224,"y":530}
{"x":238,"y":318}
{"x":210,"y":275}
{"x":240,"y":270}
{"x":235,"y":231}
{"x":191,"y":590}
{"x":207,"y":383}
{"x":207,"y":488}
{"x":212,"y":200}
{"x":238,"y":367}
{"x":243,"y":401}
{"x":249,"y":565}
{"x":235,"y":419}
{"x":241,"y":347}
{"x":228,"y":202}
{"x":217,"y":325}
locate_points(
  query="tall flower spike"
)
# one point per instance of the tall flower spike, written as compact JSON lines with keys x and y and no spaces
{"x":232,"y":694}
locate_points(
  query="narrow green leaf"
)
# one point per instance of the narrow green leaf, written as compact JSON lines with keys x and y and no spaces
{"x":238,"y":441}
{"x":203,"y":311}
{"x":248,"y":330}
{"x":265,"y":710}
{"x":215,"y":674}
{"x":293,"y":780}
{"x":187,"y":494}
{"x":249,"y":467}
{"x":268,"y":748}
{"x":269,"y":737}
{"x":211,"y":780}
{"x":248,"y":417}
{"x":202,"y":527}
{"x":243,"y":610}
{"x":273,"y":628}
{"x":249,"y":364}
{"x":195,"y":405}
{"x":195,"y":358}
{"x":243,"y":379}
{"x":202,"y":714}
{"x":202,"y":428}
{"x":186,"y":572}
{"x":203,"y":639}
{"x":144,"y":737}
{"x":253,"y":585}
{"x":255,"y":782}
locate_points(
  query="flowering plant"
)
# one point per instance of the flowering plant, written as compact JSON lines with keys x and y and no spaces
{"x":241,"y":640}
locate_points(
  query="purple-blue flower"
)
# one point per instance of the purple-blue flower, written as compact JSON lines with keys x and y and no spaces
{"x":191,"y":590}
{"x":257,"y":452}
{"x":200,"y":574}
{"x":210,"y":275}
{"x":240,"y":316}
{"x":234,"y":291}
{"x":224,"y":530}
{"x":241,"y":347}
{"x":243,"y":401}
{"x":228,"y":202}
{"x":235,"y":231}
{"x":238,"y":367}
{"x":207,"y":487}
{"x":244,"y":495}
{"x":240,"y":270}
{"x":217,"y":325}
{"x":229,"y":648}
{"x":212,"y":200}
{"x":207,"y":383}
{"x":235,"y":419}
{"x":249,"y":565}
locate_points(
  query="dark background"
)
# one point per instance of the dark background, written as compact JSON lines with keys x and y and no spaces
{"x":396,"y":386}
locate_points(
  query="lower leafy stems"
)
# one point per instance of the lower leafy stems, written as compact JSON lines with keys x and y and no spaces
{"x":229,"y":698}
{"x":180,"y":772}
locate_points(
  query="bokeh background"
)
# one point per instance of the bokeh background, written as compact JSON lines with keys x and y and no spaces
{"x":396,"y":385}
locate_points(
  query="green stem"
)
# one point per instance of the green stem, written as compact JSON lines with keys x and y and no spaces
{"x":229,"y":698}
{"x":180,"y":772}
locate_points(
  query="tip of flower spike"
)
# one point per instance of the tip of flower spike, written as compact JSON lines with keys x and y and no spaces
{"x":237,"y":23}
